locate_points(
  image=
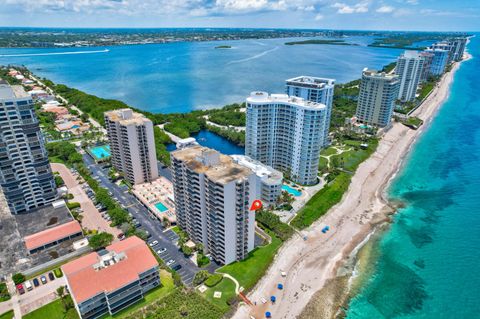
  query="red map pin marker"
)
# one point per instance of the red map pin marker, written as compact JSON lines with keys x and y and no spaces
{"x":256,"y":205}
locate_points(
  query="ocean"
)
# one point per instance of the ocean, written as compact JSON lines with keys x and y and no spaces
{"x":183,"y":76}
{"x":426,"y":265}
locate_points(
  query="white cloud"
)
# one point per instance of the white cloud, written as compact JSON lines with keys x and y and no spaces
{"x":343,"y":8}
{"x":414,"y":2}
{"x":319,"y":17}
{"x":385,"y":9}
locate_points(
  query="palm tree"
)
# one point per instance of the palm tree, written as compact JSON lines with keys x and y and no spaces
{"x":61,"y":293}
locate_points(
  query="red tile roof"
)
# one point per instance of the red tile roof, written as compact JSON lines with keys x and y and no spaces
{"x":52,"y":234}
{"x":86,"y":282}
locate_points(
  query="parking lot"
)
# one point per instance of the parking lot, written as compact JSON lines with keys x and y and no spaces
{"x":167,"y":239}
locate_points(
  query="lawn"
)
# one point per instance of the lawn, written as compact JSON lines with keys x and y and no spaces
{"x":53,"y":310}
{"x":150,"y":297}
{"x":7,"y":315}
{"x":251,"y":269}
{"x":322,"y":201}
{"x":227,"y":287}
{"x":328,"y":151}
{"x":351,"y":159}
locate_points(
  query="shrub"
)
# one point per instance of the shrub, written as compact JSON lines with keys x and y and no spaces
{"x":271,"y":221}
{"x":18,"y":278}
{"x":213,"y":280}
{"x":73,"y":205}
{"x":202,"y":260}
{"x":200,"y":277}
{"x":4,"y":295}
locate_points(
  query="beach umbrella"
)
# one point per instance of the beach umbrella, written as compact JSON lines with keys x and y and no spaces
{"x":273,"y":298}
{"x":280,"y":286}
{"x":268,"y":314}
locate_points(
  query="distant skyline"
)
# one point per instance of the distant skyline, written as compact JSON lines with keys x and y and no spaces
{"x":426,"y":15}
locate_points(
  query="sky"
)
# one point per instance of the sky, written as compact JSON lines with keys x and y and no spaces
{"x":428,"y":15}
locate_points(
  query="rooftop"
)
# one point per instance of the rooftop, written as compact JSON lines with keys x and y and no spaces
{"x":52,"y":234}
{"x":127,"y":117}
{"x":108,"y":270}
{"x":267,"y":173}
{"x":264,"y":97}
{"x":11,"y":91}
{"x":376,"y":74}
{"x":310,"y":81}
{"x":217,"y":167}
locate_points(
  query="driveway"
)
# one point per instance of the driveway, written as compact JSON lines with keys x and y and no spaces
{"x":92,"y":219}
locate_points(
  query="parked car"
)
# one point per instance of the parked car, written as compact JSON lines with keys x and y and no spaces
{"x":153,"y":243}
{"x":148,"y":234}
{"x":43,"y":279}
{"x":51,"y":276}
{"x":28,"y":285}
{"x":162,"y":250}
{"x":177,"y":267}
{"x":170,"y":262}
{"x":20,"y":289}
{"x":36,"y":283}
{"x":121,"y":236}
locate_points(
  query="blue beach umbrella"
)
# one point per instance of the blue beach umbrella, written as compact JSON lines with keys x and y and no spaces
{"x":280,"y":286}
{"x":273,"y":298}
{"x":268,"y":314}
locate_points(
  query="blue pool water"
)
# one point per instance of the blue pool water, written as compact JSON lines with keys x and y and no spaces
{"x":429,"y":260}
{"x":161,"y":207}
{"x":101,"y":152}
{"x":291,"y":190}
{"x":182,"y":76}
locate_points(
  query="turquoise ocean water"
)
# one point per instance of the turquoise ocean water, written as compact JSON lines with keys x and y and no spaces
{"x":428,"y":263}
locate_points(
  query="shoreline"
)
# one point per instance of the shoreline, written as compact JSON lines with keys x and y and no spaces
{"x":315,"y":286}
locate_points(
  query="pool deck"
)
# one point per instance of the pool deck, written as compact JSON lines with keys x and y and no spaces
{"x":104,"y":150}
{"x":160,"y":190}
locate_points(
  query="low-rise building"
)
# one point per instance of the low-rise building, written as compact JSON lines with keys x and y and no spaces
{"x":53,"y":236}
{"x":107,"y":281}
{"x":269,"y":181}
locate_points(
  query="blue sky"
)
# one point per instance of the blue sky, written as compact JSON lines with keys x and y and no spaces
{"x":431,"y":15}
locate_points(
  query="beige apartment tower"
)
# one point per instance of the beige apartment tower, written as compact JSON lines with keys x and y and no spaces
{"x":132,"y":145}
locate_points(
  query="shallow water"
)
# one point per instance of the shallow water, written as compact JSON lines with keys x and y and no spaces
{"x":428,"y":261}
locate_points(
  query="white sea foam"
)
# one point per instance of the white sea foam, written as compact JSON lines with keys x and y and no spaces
{"x":256,"y":56}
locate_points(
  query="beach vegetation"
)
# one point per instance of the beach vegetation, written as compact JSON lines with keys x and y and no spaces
{"x":229,"y":115}
{"x":272,"y":222}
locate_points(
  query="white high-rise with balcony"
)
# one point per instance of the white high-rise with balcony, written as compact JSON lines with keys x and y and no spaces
{"x":132,"y":145}
{"x":286,"y":133}
{"x":376,"y":100}
{"x":213,"y":196}
{"x":319,"y":90}
{"x":409,"y":68}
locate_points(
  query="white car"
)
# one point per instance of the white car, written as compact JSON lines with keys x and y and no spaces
{"x":170,"y":262}
{"x":153,"y":243}
{"x":161,"y":250}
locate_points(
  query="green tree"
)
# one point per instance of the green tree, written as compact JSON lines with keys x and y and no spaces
{"x":18,"y":278}
{"x":200,"y":277}
{"x":100,"y":240}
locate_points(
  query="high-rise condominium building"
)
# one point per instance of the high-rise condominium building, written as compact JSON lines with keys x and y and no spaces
{"x":458,"y":49}
{"x":427,"y":64}
{"x":269,"y":181}
{"x":447,"y":46}
{"x":376,"y":100}
{"x":286,"y":133}
{"x":409,"y":68}
{"x":319,"y":90}
{"x":439,"y":61}
{"x":213,"y":196}
{"x":132,"y":145}
{"x":25,"y":173}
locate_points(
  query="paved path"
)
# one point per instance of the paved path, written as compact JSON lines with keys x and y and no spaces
{"x":235,"y":281}
{"x":225,"y":127}
{"x":91,"y":217}
{"x":174,"y":138}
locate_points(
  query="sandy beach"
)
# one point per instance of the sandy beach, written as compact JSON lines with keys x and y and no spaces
{"x":312,"y":265}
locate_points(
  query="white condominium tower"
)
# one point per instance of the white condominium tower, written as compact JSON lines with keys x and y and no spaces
{"x":286,"y":133}
{"x":319,"y":90}
{"x":376,"y":100}
{"x":409,"y":68}
{"x":458,"y":48}
{"x":132,"y":145}
{"x":25,"y":174}
{"x":213,"y":196}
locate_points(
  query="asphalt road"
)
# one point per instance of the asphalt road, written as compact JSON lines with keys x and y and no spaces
{"x":166,"y":238}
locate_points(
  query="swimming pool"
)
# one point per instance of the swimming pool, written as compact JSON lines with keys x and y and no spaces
{"x":161,"y":208}
{"x":292,"y":191}
{"x":100,"y":152}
